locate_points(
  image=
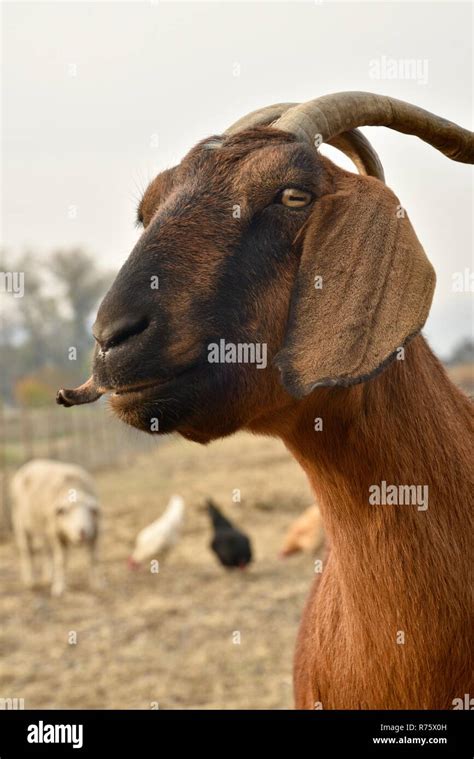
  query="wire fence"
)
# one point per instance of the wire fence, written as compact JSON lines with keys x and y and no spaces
{"x":90,"y":436}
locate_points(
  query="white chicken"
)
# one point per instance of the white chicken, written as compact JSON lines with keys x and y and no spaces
{"x":160,"y":536}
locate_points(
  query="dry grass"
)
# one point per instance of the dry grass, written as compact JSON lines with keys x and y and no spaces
{"x":463,"y":376}
{"x":167,"y":637}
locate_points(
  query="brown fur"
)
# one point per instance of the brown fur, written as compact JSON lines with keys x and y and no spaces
{"x":390,"y":569}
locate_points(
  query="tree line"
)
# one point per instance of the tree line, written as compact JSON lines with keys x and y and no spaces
{"x":45,"y":326}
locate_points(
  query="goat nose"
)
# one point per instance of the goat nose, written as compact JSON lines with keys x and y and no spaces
{"x":110,"y":334}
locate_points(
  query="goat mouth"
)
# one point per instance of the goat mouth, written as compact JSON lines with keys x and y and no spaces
{"x":89,"y":391}
{"x":143,"y":390}
{"x":138,"y":388}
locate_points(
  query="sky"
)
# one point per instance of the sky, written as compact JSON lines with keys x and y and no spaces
{"x":99,"y":97}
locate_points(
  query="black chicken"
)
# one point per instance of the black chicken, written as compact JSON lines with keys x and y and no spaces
{"x":231,"y":546}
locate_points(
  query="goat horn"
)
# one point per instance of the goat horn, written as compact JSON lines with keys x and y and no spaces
{"x":352,"y":143}
{"x":86,"y":393}
{"x":326,"y":117}
{"x":357,"y":147}
{"x":261,"y":117}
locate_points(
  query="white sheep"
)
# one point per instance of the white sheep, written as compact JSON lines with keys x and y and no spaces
{"x":54,"y":506}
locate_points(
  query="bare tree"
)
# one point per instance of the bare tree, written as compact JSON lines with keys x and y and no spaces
{"x":82,"y":286}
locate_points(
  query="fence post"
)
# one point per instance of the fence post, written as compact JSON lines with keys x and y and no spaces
{"x":105,"y":425}
{"x":27,"y":434}
{"x":91,"y":437}
{"x":5,"y":510}
{"x":74,"y":439}
{"x":50,"y":429}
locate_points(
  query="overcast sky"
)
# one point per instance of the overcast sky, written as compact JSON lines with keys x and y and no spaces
{"x":98,"y":97}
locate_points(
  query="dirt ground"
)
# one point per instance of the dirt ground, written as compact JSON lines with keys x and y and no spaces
{"x":168,"y":638}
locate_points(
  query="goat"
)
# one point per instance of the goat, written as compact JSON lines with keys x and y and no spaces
{"x":256,"y":238}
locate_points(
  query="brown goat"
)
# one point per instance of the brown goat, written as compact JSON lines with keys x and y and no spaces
{"x":256,"y":239}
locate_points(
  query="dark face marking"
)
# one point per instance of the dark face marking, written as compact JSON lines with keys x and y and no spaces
{"x":216,"y":261}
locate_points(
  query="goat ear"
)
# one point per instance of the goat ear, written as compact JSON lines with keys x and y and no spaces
{"x":363,"y":288}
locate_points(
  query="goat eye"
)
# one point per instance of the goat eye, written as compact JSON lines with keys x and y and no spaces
{"x":294,"y":198}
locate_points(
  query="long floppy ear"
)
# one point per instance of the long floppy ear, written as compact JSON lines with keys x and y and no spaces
{"x":363,"y":288}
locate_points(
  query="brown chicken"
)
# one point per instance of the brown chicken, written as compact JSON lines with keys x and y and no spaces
{"x":305,"y":533}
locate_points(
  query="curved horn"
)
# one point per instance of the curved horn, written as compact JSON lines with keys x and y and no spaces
{"x":352,"y":143}
{"x":357,"y":147}
{"x":261,"y":117}
{"x":331,"y":115}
